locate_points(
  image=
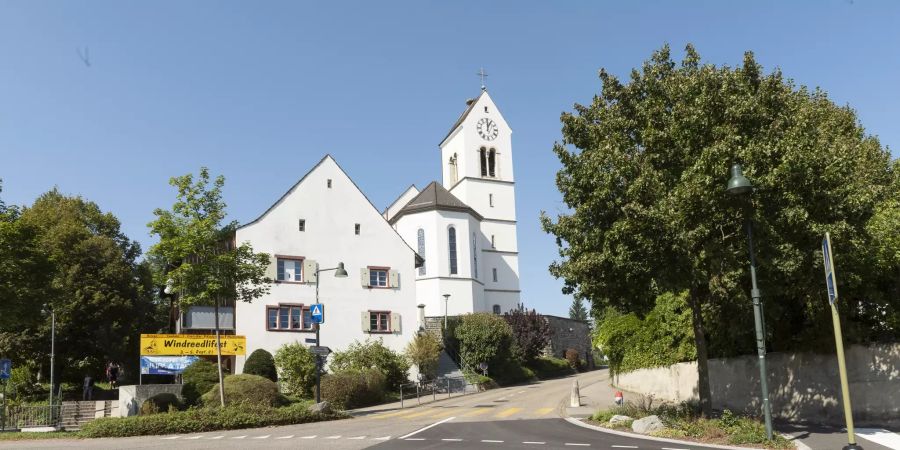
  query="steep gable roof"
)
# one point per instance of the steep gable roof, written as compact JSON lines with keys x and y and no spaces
{"x":435,"y":197}
{"x":470,"y":105}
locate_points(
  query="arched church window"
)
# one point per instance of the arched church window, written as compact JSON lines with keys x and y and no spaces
{"x":483,"y":156}
{"x":474,"y":258}
{"x":421,"y":238}
{"x":451,"y":237}
{"x":492,"y":163}
{"x":454,"y":170}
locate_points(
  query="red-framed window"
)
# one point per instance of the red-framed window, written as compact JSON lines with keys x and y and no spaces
{"x":379,"y":277}
{"x":288,"y":317}
{"x":289,"y":269}
{"x":379,"y":321}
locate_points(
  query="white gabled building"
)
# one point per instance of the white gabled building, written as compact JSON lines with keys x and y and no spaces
{"x":465,"y":229}
{"x":323,"y":220}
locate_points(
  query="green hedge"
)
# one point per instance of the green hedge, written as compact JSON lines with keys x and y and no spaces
{"x":197,"y":420}
{"x":548,"y":367}
{"x":353,"y":389}
{"x":198,"y":379}
{"x":261,"y":363}
{"x":246,"y":389}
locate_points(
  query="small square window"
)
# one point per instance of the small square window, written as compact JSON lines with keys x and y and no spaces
{"x":496,"y":309}
{"x":289,"y":270}
{"x":301,"y":225}
{"x":329,"y":183}
{"x":485,"y":109}
{"x":356,"y":228}
{"x":378,"y":277}
{"x":379,"y":321}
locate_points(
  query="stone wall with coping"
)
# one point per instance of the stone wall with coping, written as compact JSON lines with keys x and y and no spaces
{"x":569,"y":333}
{"x":803,"y":387}
{"x":132,"y":397}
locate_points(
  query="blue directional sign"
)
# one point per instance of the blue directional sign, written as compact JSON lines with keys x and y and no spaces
{"x":317,"y":311}
{"x":5,"y":369}
{"x":829,"y":269}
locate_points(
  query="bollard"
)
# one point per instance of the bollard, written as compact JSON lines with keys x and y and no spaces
{"x":418,"y":398}
{"x":575,"y":398}
{"x":433,"y":391}
{"x":448,"y":388}
{"x":401,"y":396}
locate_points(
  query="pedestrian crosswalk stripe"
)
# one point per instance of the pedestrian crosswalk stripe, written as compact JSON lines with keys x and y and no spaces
{"x":542,"y":411}
{"x":507,"y":412}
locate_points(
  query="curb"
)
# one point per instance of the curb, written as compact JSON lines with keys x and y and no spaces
{"x":653,"y":438}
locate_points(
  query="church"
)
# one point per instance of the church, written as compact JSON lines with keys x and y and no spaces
{"x":449,"y":248}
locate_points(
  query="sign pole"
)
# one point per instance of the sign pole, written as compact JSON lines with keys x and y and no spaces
{"x":318,"y":343}
{"x":831,"y":283}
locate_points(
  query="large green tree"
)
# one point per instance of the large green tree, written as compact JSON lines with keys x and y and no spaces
{"x":644,"y":167}
{"x":66,"y":254}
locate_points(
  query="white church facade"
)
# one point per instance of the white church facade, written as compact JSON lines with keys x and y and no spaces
{"x":457,"y":237}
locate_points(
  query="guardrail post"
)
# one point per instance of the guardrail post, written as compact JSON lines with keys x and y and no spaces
{"x":401,"y":396}
{"x":448,"y":388}
{"x":418,"y":398}
{"x":433,"y":391}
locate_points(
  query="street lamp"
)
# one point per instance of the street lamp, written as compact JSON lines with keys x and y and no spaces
{"x":339,"y":272}
{"x":52,"y":351}
{"x":740,"y":185}
{"x":446,"y":299}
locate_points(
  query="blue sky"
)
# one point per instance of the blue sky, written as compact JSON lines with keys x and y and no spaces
{"x":259,"y":91}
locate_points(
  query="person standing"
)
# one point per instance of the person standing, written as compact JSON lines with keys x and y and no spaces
{"x":88,"y":389}
{"x":112,"y":374}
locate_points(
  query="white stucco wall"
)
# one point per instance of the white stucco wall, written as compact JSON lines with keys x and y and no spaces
{"x":329,"y":238}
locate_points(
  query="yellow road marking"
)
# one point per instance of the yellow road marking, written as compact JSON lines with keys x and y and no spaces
{"x":507,"y":412}
{"x":393,"y":414}
{"x":445,"y":413}
{"x":542,"y":411}
{"x":423,"y":413}
{"x":477,"y":412}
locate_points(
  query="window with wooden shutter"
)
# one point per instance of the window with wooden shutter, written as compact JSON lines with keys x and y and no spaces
{"x":309,"y":270}
{"x":364,"y":276}
{"x":394,"y":279}
{"x":395,"y":322}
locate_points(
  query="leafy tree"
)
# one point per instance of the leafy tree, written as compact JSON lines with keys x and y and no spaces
{"x":68,"y":254}
{"x":484,"y":338}
{"x":296,"y":368}
{"x":261,"y":363}
{"x":531,"y":333}
{"x":424,"y":351}
{"x":578,"y":311}
{"x":203,"y":263}
{"x":372,"y":354}
{"x":643,"y":172}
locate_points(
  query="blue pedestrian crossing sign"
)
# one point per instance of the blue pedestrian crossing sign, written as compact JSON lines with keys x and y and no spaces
{"x":317,"y":312}
{"x":5,"y":369}
{"x":830,"y":281}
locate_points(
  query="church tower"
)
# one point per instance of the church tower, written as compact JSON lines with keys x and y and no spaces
{"x":477,"y":168}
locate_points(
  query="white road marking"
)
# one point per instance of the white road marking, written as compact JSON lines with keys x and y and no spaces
{"x":425,"y":428}
{"x":309,"y":437}
{"x":195,"y":437}
{"x":384,"y":438}
{"x":414,"y":439}
{"x":239,"y":437}
{"x":215,"y":437}
{"x":672,"y":448}
{"x":491,"y":440}
{"x":624,"y":446}
{"x":520,"y":392}
{"x":170,"y":437}
{"x":578,"y":445}
{"x":452,"y":440}
{"x":334,"y":437}
{"x":262,"y":437}
{"x":879,"y":436}
{"x":285,"y":437}
{"x":357,"y":438}
{"x":533,"y":442}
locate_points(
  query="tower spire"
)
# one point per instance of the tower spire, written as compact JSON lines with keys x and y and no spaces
{"x":481,"y":73}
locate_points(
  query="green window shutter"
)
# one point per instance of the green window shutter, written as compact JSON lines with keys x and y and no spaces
{"x":364,"y":321}
{"x":364,"y":276}
{"x":395,"y":322}
{"x":309,"y":270}
{"x":394,"y":280}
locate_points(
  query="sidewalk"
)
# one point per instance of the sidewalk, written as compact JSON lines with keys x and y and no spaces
{"x":600,"y":395}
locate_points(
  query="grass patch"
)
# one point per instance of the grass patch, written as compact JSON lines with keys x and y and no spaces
{"x":17,"y":436}
{"x":683,"y":421}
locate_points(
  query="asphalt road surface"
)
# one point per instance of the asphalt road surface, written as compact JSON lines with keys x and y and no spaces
{"x":514,"y":417}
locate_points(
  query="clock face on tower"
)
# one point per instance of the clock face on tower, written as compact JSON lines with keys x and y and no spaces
{"x":487,"y":129}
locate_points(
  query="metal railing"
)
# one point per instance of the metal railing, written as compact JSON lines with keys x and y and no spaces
{"x":443,"y":387}
{"x":16,"y":417}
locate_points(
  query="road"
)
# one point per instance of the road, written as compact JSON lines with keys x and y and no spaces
{"x":513,"y":417}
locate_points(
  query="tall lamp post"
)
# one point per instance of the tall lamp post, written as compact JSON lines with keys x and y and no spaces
{"x":49,"y":308}
{"x":339,"y":272}
{"x":740,"y":185}
{"x":446,"y":301}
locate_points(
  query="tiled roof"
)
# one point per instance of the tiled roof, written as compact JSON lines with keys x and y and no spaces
{"x":435,"y":197}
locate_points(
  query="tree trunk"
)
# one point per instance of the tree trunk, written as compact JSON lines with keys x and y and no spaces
{"x":703,"y":393}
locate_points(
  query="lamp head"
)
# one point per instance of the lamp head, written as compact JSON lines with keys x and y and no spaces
{"x":169,"y":287}
{"x":446,"y":297}
{"x":738,"y":184}
{"x":340,"y":272}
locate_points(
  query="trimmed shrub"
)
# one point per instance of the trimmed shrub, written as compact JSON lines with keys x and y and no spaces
{"x":424,"y":351}
{"x":353,"y":389}
{"x":261,"y":363}
{"x":483,"y":337}
{"x":372,"y":354}
{"x":246,"y":389}
{"x":548,"y":367}
{"x":531,"y":333}
{"x":197,"y":420}
{"x":198,"y":379}
{"x":573,"y":359}
{"x":297,"y":367}
{"x":160,"y":403}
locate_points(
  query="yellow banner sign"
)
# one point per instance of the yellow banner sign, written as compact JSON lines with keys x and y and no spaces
{"x":191,"y":344}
